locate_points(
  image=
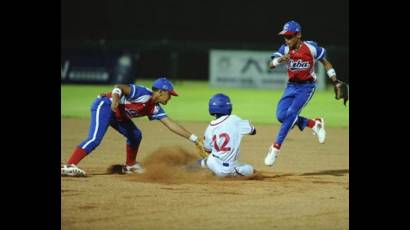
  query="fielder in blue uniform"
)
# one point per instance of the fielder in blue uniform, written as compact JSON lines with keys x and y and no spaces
{"x":299,"y":57}
{"x":116,"y":109}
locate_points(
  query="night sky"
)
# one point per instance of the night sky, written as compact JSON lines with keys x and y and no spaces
{"x":217,"y":21}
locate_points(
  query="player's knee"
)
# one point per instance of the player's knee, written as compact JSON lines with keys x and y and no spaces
{"x":137,"y":132}
{"x":138,"y":135}
{"x":281,"y":116}
{"x":135,"y":139}
{"x":291,"y":113}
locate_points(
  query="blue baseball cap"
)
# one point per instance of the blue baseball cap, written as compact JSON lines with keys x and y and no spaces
{"x":290,"y":28}
{"x":164,"y":84}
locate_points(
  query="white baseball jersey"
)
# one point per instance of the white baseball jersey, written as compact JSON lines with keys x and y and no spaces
{"x":223,"y":138}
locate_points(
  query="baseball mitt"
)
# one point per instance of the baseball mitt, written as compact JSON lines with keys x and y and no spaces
{"x":200,"y":148}
{"x":341,"y":91}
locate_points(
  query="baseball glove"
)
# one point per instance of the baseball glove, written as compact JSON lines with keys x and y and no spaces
{"x":341,"y":91}
{"x":200,"y":148}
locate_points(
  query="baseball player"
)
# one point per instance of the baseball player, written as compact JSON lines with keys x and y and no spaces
{"x":223,"y":137}
{"x":300,"y":57}
{"x":116,"y":109}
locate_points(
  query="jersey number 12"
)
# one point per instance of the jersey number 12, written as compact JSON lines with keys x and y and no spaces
{"x":225,"y":142}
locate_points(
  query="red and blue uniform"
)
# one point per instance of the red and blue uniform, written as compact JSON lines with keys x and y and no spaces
{"x":137,"y":104}
{"x":301,"y":85}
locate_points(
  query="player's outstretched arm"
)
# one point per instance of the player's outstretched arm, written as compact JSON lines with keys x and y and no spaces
{"x":178,"y":129}
{"x":329,"y":69}
{"x":341,"y":88}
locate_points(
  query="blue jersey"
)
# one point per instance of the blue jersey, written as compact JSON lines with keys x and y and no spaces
{"x":137,"y":104}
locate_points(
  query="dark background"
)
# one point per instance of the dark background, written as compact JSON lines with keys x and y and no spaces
{"x":83,"y":25}
{"x":174,"y":37}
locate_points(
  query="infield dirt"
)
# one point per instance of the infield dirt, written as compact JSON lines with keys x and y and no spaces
{"x":307,"y":188}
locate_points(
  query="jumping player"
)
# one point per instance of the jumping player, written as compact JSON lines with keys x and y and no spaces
{"x":116,"y":109}
{"x":223,"y":138}
{"x":300,"y":57}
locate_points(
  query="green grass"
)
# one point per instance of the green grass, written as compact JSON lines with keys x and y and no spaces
{"x":257,"y":105}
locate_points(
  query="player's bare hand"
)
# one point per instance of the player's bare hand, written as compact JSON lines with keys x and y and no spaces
{"x":114,"y":105}
{"x":115,"y":101}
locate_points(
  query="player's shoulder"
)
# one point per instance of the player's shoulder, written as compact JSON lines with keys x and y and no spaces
{"x":239,"y":119}
{"x":312,"y":43}
{"x":208,"y":129}
{"x":139,"y":93}
{"x":235,"y":118}
{"x":283,"y":47}
{"x":317,"y":51}
{"x":142,"y":90}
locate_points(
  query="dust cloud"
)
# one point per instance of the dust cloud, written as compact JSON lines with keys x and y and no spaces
{"x":175,"y":165}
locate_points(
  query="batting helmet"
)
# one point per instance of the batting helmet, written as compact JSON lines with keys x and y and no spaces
{"x":220,"y":104}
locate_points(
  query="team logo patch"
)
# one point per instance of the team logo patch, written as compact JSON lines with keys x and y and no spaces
{"x":298,"y":65}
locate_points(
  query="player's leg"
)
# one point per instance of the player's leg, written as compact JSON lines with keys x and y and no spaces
{"x":134,"y":136}
{"x":196,"y":165}
{"x":284,"y":103}
{"x":302,"y":122}
{"x":302,"y":96}
{"x":101,"y":114}
{"x":214,"y":165}
{"x":317,"y":125}
{"x":282,"y":111}
{"x":244,"y":170}
{"x":319,"y":129}
{"x":281,"y":114}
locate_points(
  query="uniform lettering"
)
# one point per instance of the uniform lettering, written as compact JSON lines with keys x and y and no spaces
{"x":222,"y":148}
{"x":298,"y":65}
